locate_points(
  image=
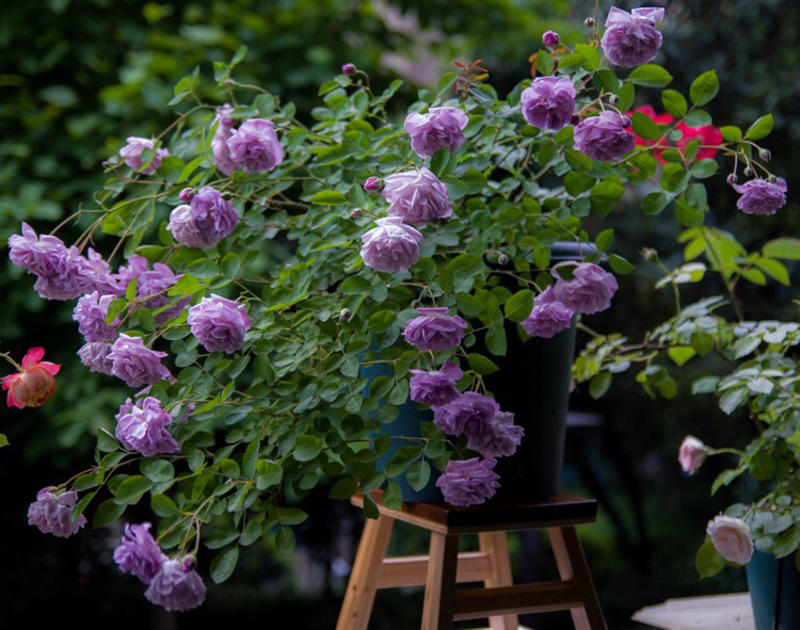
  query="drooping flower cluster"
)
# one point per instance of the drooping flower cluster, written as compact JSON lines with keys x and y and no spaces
{"x":434,"y":329}
{"x":549,"y":102}
{"x":135,"y":364}
{"x":435,"y":387}
{"x":759,"y":196}
{"x":152,"y":284}
{"x":90,"y":312}
{"x":34,"y":384}
{"x":440,"y":128}
{"x":51,"y":513}
{"x":142,"y":427}
{"x":219,"y":323}
{"x":204,"y":221}
{"x":138,"y":553}
{"x":548,"y":316}
{"x":416,"y":196}
{"x":253,"y":147}
{"x":132,"y":154}
{"x":604,"y":137}
{"x":468,"y":481}
{"x":392,"y":246}
{"x":589,"y":291}
{"x":632,"y":39}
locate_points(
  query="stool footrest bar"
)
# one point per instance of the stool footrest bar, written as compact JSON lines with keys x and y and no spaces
{"x":474,"y":603}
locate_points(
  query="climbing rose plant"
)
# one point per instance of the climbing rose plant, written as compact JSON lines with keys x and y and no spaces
{"x":258,"y":268}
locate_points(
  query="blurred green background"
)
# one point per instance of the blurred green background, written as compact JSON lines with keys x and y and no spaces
{"x":78,"y":77}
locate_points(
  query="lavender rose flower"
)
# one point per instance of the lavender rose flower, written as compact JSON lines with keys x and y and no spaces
{"x":138,"y":554}
{"x":176,"y":586}
{"x":604,"y":137}
{"x":468,"y":481}
{"x":758,"y":196}
{"x":52,"y":513}
{"x":183,"y":228}
{"x":589,"y":291}
{"x":219,"y":143}
{"x":549,"y":102}
{"x":132,"y":154}
{"x":436,"y":387}
{"x":500,"y":439}
{"x":434,"y":329}
{"x":470,"y":413}
{"x":692,"y":454}
{"x":142,"y":427}
{"x":392,"y":246}
{"x":254,"y":146}
{"x":207,"y":219}
{"x":417,"y":196}
{"x":90,"y":312}
{"x":548,"y":316}
{"x":632,"y":39}
{"x":153,"y":282}
{"x":219,"y":324}
{"x":440,"y":128}
{"x":94,"y":355}
{"x":732,"y":538}
{"x":135,"y":364}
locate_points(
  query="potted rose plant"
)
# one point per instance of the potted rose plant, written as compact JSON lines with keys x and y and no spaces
{"x":256,"y":267}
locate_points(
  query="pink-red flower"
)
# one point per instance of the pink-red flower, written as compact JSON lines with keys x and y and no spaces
{"x":34,"y":384}
{"x":706,"y":135}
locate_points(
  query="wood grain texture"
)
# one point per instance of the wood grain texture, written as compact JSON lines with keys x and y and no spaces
{"x":474,"y":603}
{"x":440,"y":585}
{"x":494,"y":544}
{"x":473,"y":566}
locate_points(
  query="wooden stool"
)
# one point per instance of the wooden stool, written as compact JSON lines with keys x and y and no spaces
{"x":500,"y":600}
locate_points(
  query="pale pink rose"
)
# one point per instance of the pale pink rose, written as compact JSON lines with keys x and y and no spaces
{"x":692,"y":454}
{"x":731,"y":537}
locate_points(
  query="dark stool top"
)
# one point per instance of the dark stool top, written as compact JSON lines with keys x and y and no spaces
{"x":560,"y":510}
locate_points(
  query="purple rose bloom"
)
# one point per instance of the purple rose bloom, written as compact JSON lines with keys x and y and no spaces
{"x":468,"y":481}
{"x":138,"y":554}
{"x":176,"y":587}
{"x":52,"y":513}
{"x":254,"y":146}
{"x":135,"y":364}
{"x":392,"y":246}
{"x":549,"y":102}
{"x":632,"y":39}
{"x":758,"y":196}
{"x":94,"y":355}
{"x":440,"y":128}
{"x":417,"y":196}
{"x":550,"y":39}
{"x":132,"y":154}
{"x":434,"y":329}
{"x":219,"y":143}
{"x":437,"y":387}
{"x":90,"y":312}
{"x":604,"y":137}
{"x":469,"y":413}
{"x":142,"y":427}
{"x":153,"y":282}
{"x":219,"y":324}
{"x":184,"y":230}
{"x":548,"y":316}
{"x":589,"y":291}
{"x":205,"y":221}
{"x":500,"y":440}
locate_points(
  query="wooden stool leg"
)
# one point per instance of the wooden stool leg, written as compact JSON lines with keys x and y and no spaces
{"x":494,"y":543}
{"x":440,"y":583}
{"x":572,"y":566}
{"x":361,"y":587}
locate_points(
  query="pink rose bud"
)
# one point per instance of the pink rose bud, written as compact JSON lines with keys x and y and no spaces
{"x":731,"y":179}
{"x":34,"y":384}
{"x":355,"y":213}
{"x":186,"y":195}
{"x":373,"y":183}
{"x":349,"y":69}
{"x":550,"y":39}
{"x":731,"y":537}
{"x":692,"y":454}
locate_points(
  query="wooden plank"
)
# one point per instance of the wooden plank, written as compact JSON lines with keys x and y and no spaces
{"x":474,"y":603}
{"x":473,"y":566}
{"x":572,"y":566}
{"x":360,"y":594}
{"x":715,"y":612}
{"x":494,"y":543}
{"x":440,"y":583}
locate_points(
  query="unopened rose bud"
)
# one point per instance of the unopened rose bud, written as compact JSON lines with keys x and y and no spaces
{"x":574,"y":120}
{"x":345,"y":313}
{"x":626,"y":122}
{"x":589,"y":22}
{"x":502,"y":259}
{"x":765,"y":155}
{"x":188,"y":563}
{"x":186,"y":195}
{"x":748,"y":171}
{"x":373,"y":183}
{"x":692,"y":454}
{"x":349,"y":69}
{"x":649,"y":254}
{"x":355,"y":213}
{"x":732,"y":178}
{"x":550,"y":39}
{"x":613,"y":99}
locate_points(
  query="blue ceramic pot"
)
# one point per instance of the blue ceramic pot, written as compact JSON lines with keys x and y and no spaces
{"x":774,"y":592}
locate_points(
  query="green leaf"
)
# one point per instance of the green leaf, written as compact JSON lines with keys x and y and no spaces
{"x":343,"y":489}
{"x":705,"y":384}
{"x":732,"y":399}
{"x":674,"y":103}
{"x":107,"y":512}
{"x":132,"y":489}
{"x":418,"y":474}
{"x":402,"y":459}
{"x":731,"y":133}
{"x":619,"y":264}
{"x":381,"y":321}
{"x":223,"y":564}
{"x":268,"y":474}
{"x":645,"y":127}
{"x":291,"y":516}
{"x":654,"y":202}
{"x":481,"y":364}
{"x":704,"y":168}
{"x":162,"y":505}
{"x":704,"y":88}
{"x":370,"y":507}
{"x":3,"y":440}
{"x":785,"y":248}
{"x":307,"y":447}
{"x":328,"y":197}
{"x":650,"y":75}
{"x":250,"y":459}
{"x":708,"y":561}
{"x":604,"y":239}
{"x":680,"y":354}
{"x":760,"y":128}
{"x":774,"y":269}
{"x":157,"y":470}
{"x":231,"y":264}
{"x":599,"y":384}
{"x":285,"y":540}
{"x":626,"y":95}
{"x":392,"y":496}
{"x":518,"y":307}
{"x":697,"y":118}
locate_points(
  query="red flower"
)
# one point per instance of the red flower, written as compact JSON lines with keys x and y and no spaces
{"x":35,"y":384}
{"x":659,"y":119}
{"x":707,"y":134}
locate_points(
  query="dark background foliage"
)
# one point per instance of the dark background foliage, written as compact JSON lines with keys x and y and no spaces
{"x":76,"y":78}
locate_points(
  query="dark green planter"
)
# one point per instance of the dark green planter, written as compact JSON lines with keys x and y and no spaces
{"x":774,"y":592}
